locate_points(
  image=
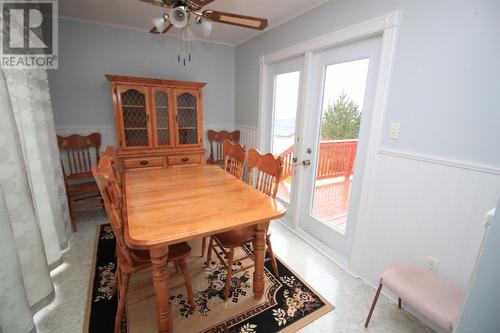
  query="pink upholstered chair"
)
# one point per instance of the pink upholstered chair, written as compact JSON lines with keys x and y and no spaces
{"x":423,"y":291}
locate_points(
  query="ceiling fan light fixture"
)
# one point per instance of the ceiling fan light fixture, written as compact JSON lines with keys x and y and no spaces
{"x":161,"y":22}
{"x":179,"y":17}
{"x":206,"y":27}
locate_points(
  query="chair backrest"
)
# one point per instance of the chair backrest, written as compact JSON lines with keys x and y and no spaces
{"x":78,"y":154}
{"x":111,"y":152}
{"x":264,"y":172}
{"x":216,"y":139}
{"x":113,"y":202}
{"x":234,"y":158}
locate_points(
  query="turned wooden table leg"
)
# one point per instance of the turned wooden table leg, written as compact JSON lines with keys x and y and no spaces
{"x":159,"y":256}
{"x":259,"y":251}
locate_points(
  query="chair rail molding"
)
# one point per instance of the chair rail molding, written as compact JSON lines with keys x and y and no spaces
{"x":435,"y":159}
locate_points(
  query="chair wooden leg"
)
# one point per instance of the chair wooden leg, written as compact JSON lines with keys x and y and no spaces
{"x":121,"y":301}
{"x":271,"y":254}
{"x":209,"y":251}
{"x":72,"y":214}
{"x":187,"y":280}
{"x":399,"y":302}
{"x":375,"y":299}
{"x":115,"y":283}
{"x":229,"y":274}
{"x":203,"y":246}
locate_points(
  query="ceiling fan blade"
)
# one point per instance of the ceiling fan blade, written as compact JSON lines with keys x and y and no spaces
{"x":161,"y":3}
{"x":155,"y":30}
{"x":256,"y":23}
{"x":198,"y":4}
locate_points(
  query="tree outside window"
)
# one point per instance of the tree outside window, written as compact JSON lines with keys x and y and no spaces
{"x":341,"y":120}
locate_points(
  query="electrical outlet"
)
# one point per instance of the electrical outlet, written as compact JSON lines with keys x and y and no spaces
{"x":394,"y":131}
{"x":432,"y":264}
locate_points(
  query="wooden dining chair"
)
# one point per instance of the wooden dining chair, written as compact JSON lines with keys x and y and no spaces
{"x":130,"y":261}
{"x":264,"y":174}
{"x":111,"y":152}
{"x":216,"y":139}
{"x":234,"y":163}
{"x":234,"y":158}
{"x":78,"y":155}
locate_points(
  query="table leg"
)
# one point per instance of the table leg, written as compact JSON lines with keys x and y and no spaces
{"x":259,"y":252}
{"x":159,"y":256}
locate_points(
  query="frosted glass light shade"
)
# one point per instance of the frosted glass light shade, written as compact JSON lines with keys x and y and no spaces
{"x":160,"y":23}
{"x":206,"y":27}
{"x":179,"y":17}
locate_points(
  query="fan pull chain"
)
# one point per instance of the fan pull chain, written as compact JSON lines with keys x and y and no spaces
{"x":184,"y":46}
{"x":178,"y":46}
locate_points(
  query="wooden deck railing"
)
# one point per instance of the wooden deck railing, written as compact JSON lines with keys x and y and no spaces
{"x":336,"y":159}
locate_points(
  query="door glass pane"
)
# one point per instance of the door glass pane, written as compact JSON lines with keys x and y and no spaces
{"x":135,"y":123}
{"x":187,"y":119}
{"x":286,"y":93}
{"x":343,"y":97}
{"x":162,"y":124}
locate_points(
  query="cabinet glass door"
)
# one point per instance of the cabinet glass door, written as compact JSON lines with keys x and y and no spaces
{"x":161,"y":105}
{"x":135,"y":119}
{"x":187,"y":117}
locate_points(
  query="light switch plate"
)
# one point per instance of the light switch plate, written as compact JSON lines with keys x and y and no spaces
{"x":394,"y":131}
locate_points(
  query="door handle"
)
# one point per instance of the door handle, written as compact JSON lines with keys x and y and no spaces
{"x":185,"y":159}
{"x":294,"y":160}
{"x":144,"y":162}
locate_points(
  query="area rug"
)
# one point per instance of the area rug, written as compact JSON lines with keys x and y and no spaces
{"x":288,"y":303}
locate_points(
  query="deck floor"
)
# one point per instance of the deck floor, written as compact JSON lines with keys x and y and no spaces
{"x":331,"y":200}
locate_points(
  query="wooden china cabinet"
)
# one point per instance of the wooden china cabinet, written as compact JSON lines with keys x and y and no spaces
{"x":158,"y":122}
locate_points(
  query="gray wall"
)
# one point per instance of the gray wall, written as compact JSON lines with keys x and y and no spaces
{"x":445,"y":78}
{"x":81,"y":95}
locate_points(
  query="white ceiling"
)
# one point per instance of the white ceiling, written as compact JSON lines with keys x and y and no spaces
{"x":136,"y":14}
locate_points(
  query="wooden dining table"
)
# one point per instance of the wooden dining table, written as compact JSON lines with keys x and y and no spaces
{"x":171,"y":205}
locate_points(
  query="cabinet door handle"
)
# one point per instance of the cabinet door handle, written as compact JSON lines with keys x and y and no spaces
{"x":144,"y":162}
{"x":185,"y":159}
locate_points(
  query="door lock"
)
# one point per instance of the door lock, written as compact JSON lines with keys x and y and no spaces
{"x":309,"y":150}
{"x":306,"y":162}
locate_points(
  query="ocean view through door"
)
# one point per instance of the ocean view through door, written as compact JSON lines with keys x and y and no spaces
{"x":285,"y":84}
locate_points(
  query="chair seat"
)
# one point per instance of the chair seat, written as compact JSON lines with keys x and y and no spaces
{"x":234,"y":238}
{"x":434,"y":298}
{"x":143,"y":260}
{"x":82,"y":188}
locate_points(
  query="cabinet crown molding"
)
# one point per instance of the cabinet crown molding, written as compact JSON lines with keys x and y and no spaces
{"x":116,"y":79}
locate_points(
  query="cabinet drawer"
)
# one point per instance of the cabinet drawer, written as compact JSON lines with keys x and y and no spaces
{"x":146,"y":162}
{"x":184,"y":159}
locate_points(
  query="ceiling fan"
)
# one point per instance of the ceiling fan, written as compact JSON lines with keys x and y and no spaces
{"x":180,"y":11}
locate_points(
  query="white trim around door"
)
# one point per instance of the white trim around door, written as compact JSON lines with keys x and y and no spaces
{"x":386,"y":26}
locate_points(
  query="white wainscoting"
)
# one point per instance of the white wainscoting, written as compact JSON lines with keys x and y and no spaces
{"x":108,"y":136}
{"x":248,"y":136}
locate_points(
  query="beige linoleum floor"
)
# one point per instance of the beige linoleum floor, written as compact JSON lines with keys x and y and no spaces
{"x":351,"y":297}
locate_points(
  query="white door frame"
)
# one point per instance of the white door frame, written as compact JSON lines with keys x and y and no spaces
{"x":387,"y":26}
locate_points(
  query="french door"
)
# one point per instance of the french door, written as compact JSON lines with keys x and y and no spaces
{"x":284,"y":81}
{"x":330,"y":130}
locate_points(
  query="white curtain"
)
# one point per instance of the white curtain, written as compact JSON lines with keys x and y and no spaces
{"x":34,"y":219}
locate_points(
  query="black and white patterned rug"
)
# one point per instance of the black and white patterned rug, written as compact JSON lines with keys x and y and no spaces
{"x":288,"y":303}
